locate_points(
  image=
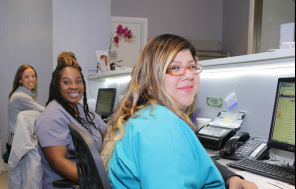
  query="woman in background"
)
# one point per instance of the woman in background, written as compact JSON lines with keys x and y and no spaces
{"x":150,"y":141}
{"x":56,"y":147}
{"x":21,"y":98}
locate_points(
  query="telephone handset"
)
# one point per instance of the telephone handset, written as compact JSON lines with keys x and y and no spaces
{"x":230,"y":145}
{"x":239,"y":147}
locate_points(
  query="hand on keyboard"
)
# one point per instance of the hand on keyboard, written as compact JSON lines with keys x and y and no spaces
{"x":236,"y":182}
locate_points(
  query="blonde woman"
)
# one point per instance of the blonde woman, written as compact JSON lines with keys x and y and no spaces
{"x":150,"y":141}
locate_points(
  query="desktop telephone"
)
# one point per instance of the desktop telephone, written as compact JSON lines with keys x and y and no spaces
{"x":222,"y":135}
{"x":239,"y":147}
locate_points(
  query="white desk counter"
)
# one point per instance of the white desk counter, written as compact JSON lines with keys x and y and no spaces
{"x":261,"y":181}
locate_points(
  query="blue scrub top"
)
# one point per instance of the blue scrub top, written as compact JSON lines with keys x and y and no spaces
{"x":161,"y":151}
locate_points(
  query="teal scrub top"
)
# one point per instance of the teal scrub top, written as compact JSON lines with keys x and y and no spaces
{"x":160,"y":151}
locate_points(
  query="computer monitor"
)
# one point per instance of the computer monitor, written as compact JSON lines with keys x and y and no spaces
{"x":282,"y":130}
{"x":105,"y":102}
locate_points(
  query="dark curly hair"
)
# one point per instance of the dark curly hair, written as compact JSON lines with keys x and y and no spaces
{"x":68,"y":59}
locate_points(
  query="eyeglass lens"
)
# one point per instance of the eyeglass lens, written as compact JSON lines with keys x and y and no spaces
{"x":180,"y":70}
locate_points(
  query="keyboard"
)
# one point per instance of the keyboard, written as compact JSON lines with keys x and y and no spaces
{"x":282,"y":173}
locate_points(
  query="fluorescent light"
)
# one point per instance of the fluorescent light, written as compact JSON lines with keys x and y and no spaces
{"x":268,"y":69}
{"x":119,"y":79}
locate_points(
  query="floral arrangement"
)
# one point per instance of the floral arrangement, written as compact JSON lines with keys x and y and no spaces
{"x":120,"y":33}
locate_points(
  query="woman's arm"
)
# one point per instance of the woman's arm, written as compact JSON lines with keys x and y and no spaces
{"x":28,"y":103}
{"x":233,"y":180}
{"x":57,"y":159}
{"x":104,"y":134}
{"x":225,"y":172}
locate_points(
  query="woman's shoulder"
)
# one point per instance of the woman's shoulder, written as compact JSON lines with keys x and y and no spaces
{"x":53,"y":109}
{"x":154,"y":116}
{"x":158,"y":111}
{"x":20,"y":93}
{"x":19,"y":96}
{"x":54,"y":113}
{"x":157,"y":120}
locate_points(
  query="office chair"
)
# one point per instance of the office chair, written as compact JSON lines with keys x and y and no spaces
{"x":24,"y":163}
{"x":91,"y":172}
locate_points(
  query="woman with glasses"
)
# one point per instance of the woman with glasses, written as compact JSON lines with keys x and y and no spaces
{"x":150,"y":141}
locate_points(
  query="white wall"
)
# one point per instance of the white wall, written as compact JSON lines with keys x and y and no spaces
{"x":81,"y":27}
{"x":226,"y":21}
{"x":193,"y":19}
{"x":34,"y":32}
{"x":235,"y":27}
{"x":25,"y":37}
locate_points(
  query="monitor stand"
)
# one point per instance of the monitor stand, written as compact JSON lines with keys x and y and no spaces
{"x":105,"y":119}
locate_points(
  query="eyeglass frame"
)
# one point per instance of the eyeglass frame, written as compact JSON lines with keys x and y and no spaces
{"x":169,"y":70}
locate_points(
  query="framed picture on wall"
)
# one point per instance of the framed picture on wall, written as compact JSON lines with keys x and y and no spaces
{"x":128,"y":51}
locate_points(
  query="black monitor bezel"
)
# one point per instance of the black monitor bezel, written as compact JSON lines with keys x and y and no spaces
{"x":276,"y":144}
{"x":113,"y":90}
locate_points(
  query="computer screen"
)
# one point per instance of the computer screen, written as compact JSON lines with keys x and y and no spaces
{"x":282,"y":130}
{"x":105,"y":102}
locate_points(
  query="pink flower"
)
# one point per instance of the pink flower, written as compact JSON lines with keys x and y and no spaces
{"x":121,"y":32}
{"x":116,"y":39}
{"x":119,"y":27}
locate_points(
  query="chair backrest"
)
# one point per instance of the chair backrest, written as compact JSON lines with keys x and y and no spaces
{"x":24,"y":163}
{"x":90,"y":168}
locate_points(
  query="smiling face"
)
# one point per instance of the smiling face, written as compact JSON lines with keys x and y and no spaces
{"x":71,"y":85}
{"x":28,"y":79}
{"x":182,"y":88}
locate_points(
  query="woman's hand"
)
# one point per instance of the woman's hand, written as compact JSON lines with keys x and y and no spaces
{"x":236,"y":182}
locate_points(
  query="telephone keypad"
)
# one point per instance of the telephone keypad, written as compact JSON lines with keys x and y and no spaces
{"x":246,"y":148}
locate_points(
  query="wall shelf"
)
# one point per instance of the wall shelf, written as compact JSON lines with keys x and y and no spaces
{"x":111,"y":74}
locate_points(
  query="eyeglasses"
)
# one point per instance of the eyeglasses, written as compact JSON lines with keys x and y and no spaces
{"x":178,"y":70}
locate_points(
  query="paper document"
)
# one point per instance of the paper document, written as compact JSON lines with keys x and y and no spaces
{"x":264,"y":182}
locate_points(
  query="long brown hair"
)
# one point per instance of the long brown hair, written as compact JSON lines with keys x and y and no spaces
{"x":18,"y":77}
{"x":146,"y":87}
